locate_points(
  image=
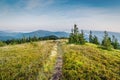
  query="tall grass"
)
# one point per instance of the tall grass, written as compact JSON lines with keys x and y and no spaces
{"x":25,"y":61}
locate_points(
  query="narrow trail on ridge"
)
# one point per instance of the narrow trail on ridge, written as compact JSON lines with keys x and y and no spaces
{"x":57,"y":73}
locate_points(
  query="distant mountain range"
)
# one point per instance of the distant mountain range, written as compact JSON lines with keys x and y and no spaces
{"x":43,"y":33}
{"x":39,"y":33}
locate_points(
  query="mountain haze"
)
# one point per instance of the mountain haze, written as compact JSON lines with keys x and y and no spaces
{"x":44,"y":33}
{"x":38,"y":33}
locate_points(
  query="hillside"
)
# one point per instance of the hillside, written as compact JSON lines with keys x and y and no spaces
{"x":44,"y":60}
{"x":89,"y":62}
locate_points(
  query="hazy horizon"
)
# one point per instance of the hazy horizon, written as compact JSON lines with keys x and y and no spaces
{"x":59,"y":15}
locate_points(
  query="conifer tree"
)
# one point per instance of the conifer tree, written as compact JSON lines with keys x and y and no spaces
{"x":106,"y":43}
{"x":115,"y":42}
{"x":81,"y":38}
{"x":23,"y":39}
{"x":90,"y":37}
{"x":76,"y":34}
{"x":95,"y":40}
{"x":71,"y":38}
{"x":76,"y":37}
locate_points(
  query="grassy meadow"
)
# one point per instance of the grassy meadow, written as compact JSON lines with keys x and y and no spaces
{"x":89,"y":62}
{"x":36,"y":61}
{"x":29,"y":61}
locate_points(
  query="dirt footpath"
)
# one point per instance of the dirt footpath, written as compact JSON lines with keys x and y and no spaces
{"x":57,"y":74}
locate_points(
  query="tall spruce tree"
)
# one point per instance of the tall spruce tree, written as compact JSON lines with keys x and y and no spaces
{"x":76,"y":37}
{"x":90,"y":37}
{"x":81,"y":38}
{"x":106,"y":43}
{"x":76,"y":34}
{"x":95,"y":40}
{"x":115,"y":42}
{"x":73,"y":38}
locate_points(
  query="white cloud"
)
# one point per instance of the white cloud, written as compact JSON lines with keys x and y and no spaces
{"x":95,"y":18}
{"x":32,"y":4}
{"x":86,"y":18}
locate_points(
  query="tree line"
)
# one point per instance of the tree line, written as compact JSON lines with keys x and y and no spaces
{"x":27,"y":39}
{"x":107,"y":43}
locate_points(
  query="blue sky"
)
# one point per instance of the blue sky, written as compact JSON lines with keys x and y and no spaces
{"x":59,"y":15}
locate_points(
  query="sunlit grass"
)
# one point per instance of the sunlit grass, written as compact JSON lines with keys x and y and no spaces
{"x":89,"y":62}
{"x":36,"y":61}
{"x":26,"y":61}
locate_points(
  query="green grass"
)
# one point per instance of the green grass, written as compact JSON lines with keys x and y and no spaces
{"x":89,"y":62}
{"x":26,"y":61}
{"x":36,"y":61}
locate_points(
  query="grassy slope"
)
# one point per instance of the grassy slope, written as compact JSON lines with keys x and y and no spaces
{"x":88,"y":62}
{"x":26,"y":61}
{"x":35,"y":61}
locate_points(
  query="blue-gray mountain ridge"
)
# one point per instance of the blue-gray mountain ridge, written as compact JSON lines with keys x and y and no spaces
{"x":42,"y":33}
